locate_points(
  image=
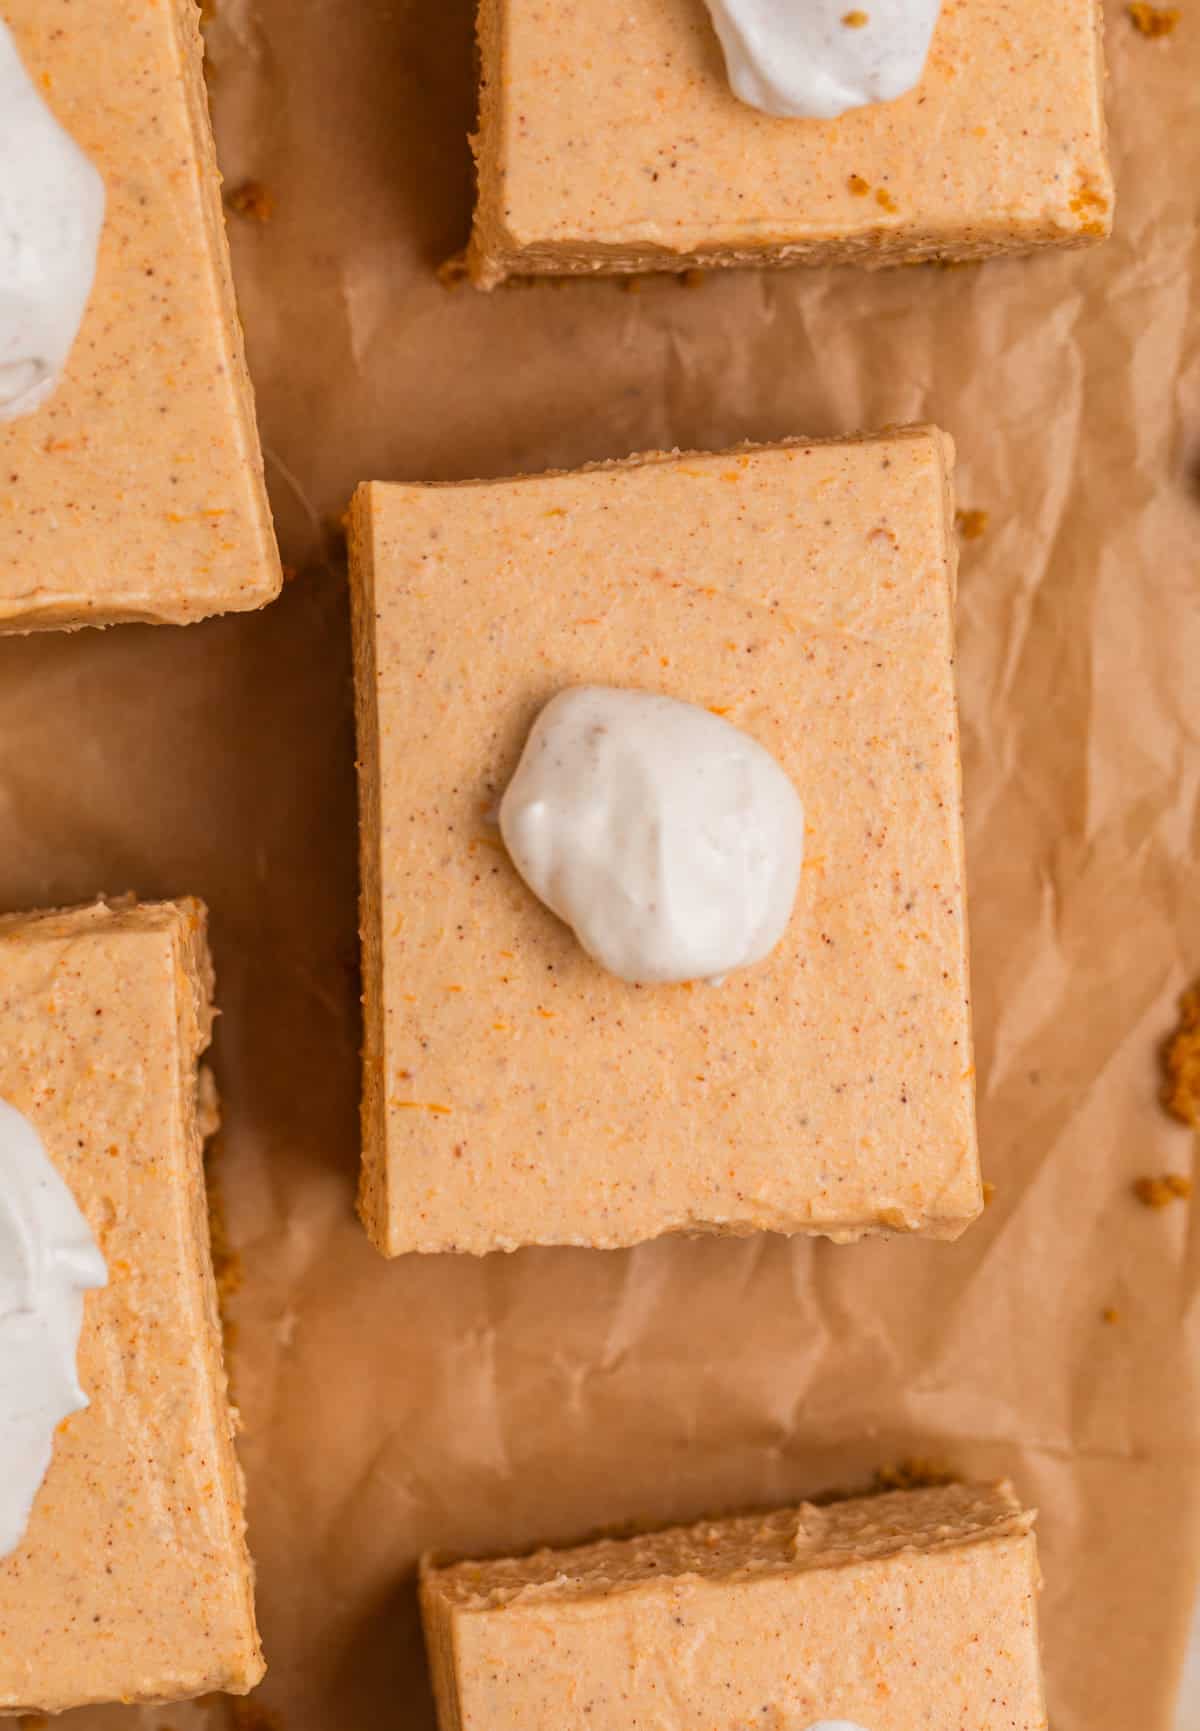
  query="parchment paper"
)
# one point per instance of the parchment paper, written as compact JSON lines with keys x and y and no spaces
{"x":491,"y":1405}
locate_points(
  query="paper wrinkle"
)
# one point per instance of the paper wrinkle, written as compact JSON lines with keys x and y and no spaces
{"x":248,"y":26}
{"x":643,"y":1283}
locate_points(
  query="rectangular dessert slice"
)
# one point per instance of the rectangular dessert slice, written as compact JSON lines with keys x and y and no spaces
{"x":913,"y":1609}
{"x":603,"y":149}
{"x":515,"y":1093}
{"x":132,"y":1582}
{"x":136,"y":490}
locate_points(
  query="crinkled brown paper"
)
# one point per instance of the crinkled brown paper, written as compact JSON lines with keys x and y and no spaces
{"x":488,"y":1405}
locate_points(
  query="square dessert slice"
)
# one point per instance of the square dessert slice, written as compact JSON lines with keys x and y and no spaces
{"x":913,"y":1609}
{"x":135,"y":492}
{"x":603,"y":149}
{"x":515,"y":1092}
{"x":132,"y":1581}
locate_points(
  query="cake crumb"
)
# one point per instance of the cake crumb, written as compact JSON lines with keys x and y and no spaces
{"x":1181,"y":1060}
{"x":856,"y":20}
{"x":915,"y":1473}
{"x":251,"y":198}
{"x":1091,"y":207}
{"x":1087,"y":198}
{"x":1161,"y":1192}
{"x":858,"y":186}
{"x":227,"y":1262}
{"x":989,"y":1193}
{"x":1153,"y":21}
{"x":1110,"y":1314}
{"x":208,"y":1103}
{"x":971,"y":524}
{"x":692,"y":279}
{"x":911,"y":1473}
{"x":631,"y":284}
{"x":884,"y":199}
{"x":453,"y":271}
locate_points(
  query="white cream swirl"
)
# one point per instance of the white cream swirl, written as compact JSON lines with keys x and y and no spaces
{"x":48,"y":1260}
{"x":820,"y":58}
{"x":668,"y":840}
{"x":51,"y":214}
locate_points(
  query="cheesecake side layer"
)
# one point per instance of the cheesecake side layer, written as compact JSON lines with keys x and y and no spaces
{"x":373,"y":1185}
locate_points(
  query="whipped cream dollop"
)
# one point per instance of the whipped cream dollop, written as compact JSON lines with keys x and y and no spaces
{"x":51,"y":213}
{"x":667,"y":839}
{"x":48,"y":1260}
{"x":820,"y":58}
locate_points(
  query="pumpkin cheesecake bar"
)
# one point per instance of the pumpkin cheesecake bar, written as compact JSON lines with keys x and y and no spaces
{"x":515,"y":1092}
{"x":625,"y":149}
{"x":132,"y":1581}
{"x":889,"y":1612}
{"x":135,"y":492}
